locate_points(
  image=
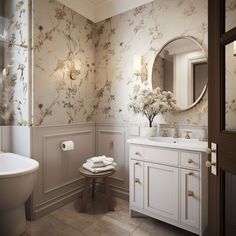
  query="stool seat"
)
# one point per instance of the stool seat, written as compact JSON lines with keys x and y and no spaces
{"x":92,"y":176}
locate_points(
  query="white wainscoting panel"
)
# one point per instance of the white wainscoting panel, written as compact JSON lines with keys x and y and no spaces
{"x":58,"y":177}
{"x":111,"y":141}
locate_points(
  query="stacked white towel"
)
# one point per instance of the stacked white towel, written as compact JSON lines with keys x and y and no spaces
{"x":99,"y":164}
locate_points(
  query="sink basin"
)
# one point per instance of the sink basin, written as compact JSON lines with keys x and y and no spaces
{"x":169,"y":142}
{"x":174,"y":140}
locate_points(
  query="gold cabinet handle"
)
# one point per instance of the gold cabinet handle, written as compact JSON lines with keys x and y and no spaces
{"x":138,"y":154}
{"x":136,"y":180}
{"x":190,"y":161}
{"x":137,"y":163}
{"x":190,"y":173}
{"x":190,"y":193}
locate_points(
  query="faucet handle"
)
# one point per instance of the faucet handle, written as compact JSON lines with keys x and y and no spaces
{"x":165,"y":133}
{"x":187,"y":136}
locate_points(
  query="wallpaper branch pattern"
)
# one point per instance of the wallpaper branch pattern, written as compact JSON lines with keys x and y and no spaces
{"x":14,"y":77}
{"x":144,"y":31}
{"x":64,"y":65}
{"x":84,"y":71}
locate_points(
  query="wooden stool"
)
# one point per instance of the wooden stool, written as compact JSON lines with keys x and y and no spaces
{"x":92,"y":176}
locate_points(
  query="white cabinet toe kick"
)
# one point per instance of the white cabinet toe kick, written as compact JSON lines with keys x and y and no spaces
{"x":169,"y":185}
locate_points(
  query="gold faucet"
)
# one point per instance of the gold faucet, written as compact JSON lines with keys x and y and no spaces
{"x":175,"y":135}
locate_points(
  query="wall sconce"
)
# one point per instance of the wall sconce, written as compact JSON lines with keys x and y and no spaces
{"x":74,"y":74}
{"x":235,"y":48}
{"x":140,"y":68}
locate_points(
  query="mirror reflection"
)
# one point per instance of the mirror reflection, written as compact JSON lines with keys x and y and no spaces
{"x":181,"y":67}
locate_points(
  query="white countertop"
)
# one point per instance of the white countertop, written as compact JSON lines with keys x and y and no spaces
{"x":168,"y":142}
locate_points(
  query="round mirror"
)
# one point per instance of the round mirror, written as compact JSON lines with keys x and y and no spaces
{"x":181,"y":67}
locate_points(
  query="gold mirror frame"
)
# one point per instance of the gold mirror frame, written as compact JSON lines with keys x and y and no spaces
{"x":200,"y":46}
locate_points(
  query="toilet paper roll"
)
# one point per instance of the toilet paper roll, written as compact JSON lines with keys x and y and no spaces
{"x":67,"y":145}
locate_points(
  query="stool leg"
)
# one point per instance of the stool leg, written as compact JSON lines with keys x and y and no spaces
{"x":108,"y":194}
{"x":93,"y":187}
{"x":85,"y":194}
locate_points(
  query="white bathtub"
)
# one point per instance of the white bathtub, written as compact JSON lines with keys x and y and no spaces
{"x":18,"y":176}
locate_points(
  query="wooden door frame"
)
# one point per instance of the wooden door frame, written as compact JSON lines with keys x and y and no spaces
{"x":218,"y":38}
{"x":214,"y":32}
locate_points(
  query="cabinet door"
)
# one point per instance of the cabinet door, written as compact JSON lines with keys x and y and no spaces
{"x":161,"y":190}
{"x":136,"y":183}
{"x":190,"y":198}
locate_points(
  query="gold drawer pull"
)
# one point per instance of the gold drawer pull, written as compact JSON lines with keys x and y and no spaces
{"x":190,"y":173}
{"x":190,"y":161}
{"x":137,"y":163}
{"x":137,"y":181}
{"x":190,"y":193}
{"x":138,"y":154}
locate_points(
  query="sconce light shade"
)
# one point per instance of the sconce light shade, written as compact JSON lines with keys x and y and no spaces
{"x":235,"y":48}
{"x":137,"y":64}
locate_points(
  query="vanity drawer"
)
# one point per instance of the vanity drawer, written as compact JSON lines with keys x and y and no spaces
{"x":161,"y":155}
{"x":136,"y":152}
{"x":190,"y":160}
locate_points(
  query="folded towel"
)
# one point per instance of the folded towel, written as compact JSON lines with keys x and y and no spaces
{"x":102,"y":164}
{"x":98,"y":159}
{"x":101,"y":159}
{"x":97,"y":170}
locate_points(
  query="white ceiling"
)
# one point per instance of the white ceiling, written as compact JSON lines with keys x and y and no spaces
{"x":98,"y":10}
{"x":96,"y":1}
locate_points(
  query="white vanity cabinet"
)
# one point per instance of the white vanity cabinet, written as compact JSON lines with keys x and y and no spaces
{"x":169,"y":184}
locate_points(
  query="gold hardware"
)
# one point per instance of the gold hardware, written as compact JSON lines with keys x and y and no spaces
{"x":190,"y":173}
{"x":138,"y":154}
{"x":209,"y":164}
{"x":209,"y":151}
{"x":175,"y":135}
{"x":137,"y":180}
{"x":188,"y":134}
{"x":164,"y":133}
{"x":137,"y":163}
{"x":190,"y":161}
{"x":111,"y":143}
{"x":190,"y":193}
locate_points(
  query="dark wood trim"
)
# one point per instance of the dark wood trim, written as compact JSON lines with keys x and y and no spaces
{"x":225,"y":139}
{"x":214,"y":32}
{"x":228,"y":36}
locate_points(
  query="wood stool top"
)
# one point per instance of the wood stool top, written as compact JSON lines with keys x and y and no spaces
{"x":90,"y":174}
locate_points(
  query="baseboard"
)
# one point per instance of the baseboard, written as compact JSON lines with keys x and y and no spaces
{"x":117,"y":191}
{"x":49,"y":206}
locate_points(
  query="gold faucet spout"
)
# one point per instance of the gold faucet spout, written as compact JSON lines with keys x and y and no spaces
{"x":176,"y":134}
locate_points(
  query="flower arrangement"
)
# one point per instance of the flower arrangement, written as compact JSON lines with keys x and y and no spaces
{"x":152,"y":102}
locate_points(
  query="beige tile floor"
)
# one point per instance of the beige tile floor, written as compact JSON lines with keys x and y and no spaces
{"x":96,"y":221}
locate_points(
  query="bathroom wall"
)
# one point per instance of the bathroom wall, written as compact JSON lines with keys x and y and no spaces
{"x":144,"y":31}
{"x":62,"y":102}
{"x":14,"y":76}
{"x":64,"y":65}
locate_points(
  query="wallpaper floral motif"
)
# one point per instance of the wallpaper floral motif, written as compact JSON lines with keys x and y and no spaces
{"x":14,"y":66}
{"x":64,"y":65}
{"x":84,"y":71}
{"x":230,"y":86}
{"x":144,"y":31}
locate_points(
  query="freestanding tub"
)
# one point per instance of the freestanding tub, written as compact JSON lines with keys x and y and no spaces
{"x":17,"y":179}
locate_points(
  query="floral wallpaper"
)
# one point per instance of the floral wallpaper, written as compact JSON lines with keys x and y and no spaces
{"x":84,"y":71}
{"x":14,"y":66}
{"x":64,"y":65}
{"x":230,"y":87}
{"x":143,"y":31}
{"x":230,"y":14}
